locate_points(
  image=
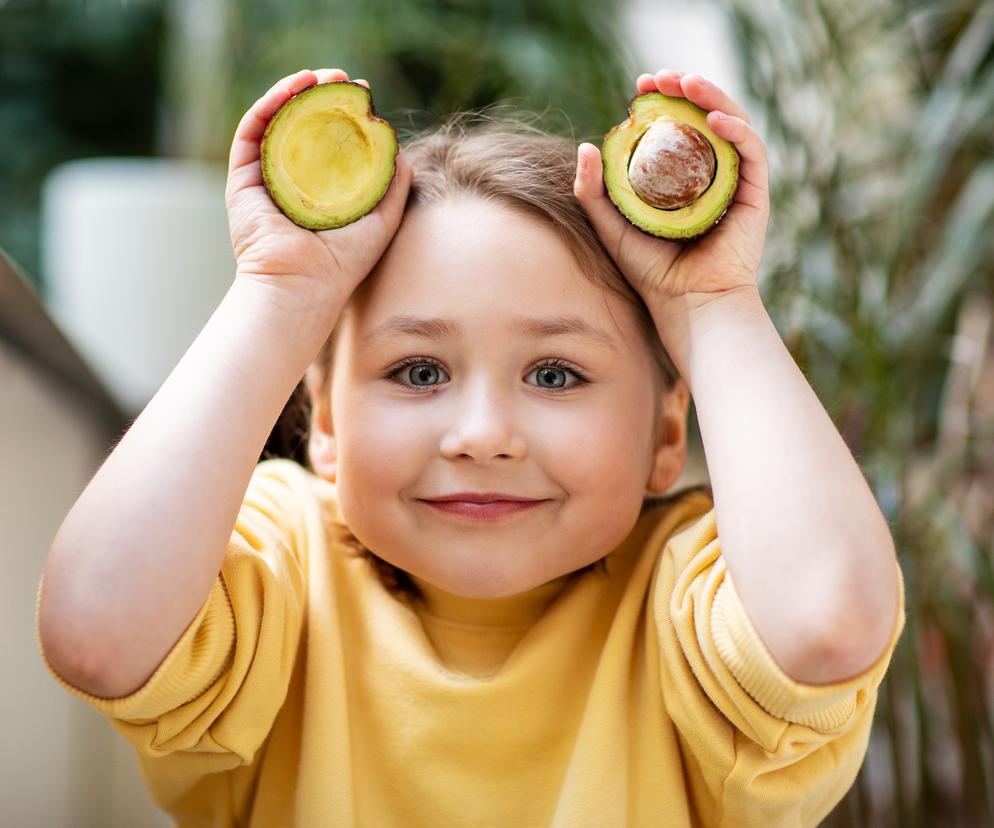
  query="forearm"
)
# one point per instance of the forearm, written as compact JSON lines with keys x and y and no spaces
{"x":801,"y":533}
{"x":138,"y":553}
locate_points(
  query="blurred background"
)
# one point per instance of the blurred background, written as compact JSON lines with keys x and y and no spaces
{"x":115,"y":121}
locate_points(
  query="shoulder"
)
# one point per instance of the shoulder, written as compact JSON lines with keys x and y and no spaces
{"x":674,"y":514}
{"x":293,"y":495}
{"x":282,"y":469}
{"x":282,"y":488}
{"x":280,"y":474}
{"x":662,"y":521}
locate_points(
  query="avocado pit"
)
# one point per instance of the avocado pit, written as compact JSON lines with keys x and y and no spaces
{"x":650,"y":178}
{"x":672,"y":166}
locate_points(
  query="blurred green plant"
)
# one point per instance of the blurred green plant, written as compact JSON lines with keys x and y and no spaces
{"x":76,"y":79}
{"x":172,"y":77}
{"x":879,"y":117}
{"x":422,"y":59}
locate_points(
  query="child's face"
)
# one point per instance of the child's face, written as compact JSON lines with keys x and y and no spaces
{"x":478,"y":417}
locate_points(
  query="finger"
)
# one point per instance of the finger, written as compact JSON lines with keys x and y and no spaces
{"x":588,"y":187}
{"x":708,"y":96}
{"x":645,"y":83}
{"x":393,"y":203}
{"x":754,"y":172}
{"x":328,"y":75}
{"x":639,"y":257}
{"x":245,"y":146}
{"x":667,"y":81}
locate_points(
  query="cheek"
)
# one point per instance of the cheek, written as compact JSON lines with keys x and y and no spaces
{"x":381,"y":445}
{"x":605,"y":443}
{"x":378,"y":458}
{"x":598,"y":458}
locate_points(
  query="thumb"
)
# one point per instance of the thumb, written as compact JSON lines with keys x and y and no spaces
{"x":358,"y":246}
{"x":391,"y":206}
{"x":385,"y":217}
{"x":588,"y":187}
{"x":642,"y":259}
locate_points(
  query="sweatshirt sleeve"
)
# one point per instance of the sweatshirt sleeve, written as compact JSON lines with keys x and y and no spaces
{"x":218,"y":690}
{"x":762,"y":748}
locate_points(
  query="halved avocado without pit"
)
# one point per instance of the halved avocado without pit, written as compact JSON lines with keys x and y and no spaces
{"x":666,"y":171}
{"x":327,"y":158}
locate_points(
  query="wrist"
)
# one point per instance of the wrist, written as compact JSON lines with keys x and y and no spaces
{"x":680,"y":320}
{"x":307,"y":317}
{"x":311,"y":303}
{"x":693,"y":303}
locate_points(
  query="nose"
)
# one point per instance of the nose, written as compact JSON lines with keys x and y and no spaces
{"x":484,"y":424}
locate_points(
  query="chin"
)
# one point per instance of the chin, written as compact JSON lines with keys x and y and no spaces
{"x":492,"y":585}
{"x":474,"y":584}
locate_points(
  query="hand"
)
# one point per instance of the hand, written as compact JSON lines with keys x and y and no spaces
{"x":272,"y":249}
{"x":727,"y":257}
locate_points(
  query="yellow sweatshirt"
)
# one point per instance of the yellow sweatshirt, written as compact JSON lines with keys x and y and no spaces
{"x":304,"y":693}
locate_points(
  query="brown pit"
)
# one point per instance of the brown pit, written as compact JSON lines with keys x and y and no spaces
{"x":672,"y":165}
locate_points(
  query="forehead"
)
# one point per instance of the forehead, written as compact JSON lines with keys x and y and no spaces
{"x":487,"y":268}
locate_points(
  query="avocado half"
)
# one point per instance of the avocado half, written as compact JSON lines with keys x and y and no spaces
{"x":327,"y":158}
{"x":681,"y":165}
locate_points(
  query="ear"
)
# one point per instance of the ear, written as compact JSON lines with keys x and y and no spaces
{"x":670,"y":449}
{"x":321,"y":449}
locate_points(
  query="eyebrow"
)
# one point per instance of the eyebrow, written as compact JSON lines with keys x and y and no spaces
{"x":531,"y":327}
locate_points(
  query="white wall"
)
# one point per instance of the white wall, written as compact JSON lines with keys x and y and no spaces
{"x":686,"y":36}
{"x":136,"y":257}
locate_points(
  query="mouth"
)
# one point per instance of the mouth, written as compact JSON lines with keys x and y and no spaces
{"x":482,"y":509}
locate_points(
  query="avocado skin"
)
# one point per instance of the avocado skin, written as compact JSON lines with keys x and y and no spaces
{"x":645,"y":217}
{"x":290,"y":207}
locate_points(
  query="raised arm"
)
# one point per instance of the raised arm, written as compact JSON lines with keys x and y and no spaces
{"x":137,"y":554}
{"x":808,"y":548}
{"x":807,"y":545}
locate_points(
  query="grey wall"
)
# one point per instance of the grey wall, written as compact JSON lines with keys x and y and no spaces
{"x":62,"y":764}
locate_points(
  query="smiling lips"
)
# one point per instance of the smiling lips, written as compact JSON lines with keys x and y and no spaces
{"x":482,"y":506}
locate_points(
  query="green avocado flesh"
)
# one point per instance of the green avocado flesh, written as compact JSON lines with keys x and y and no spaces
{"x":327,"y":159}
{"x":686,"y":222}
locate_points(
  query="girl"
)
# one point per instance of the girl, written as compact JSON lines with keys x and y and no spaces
{"x":467,"y":611}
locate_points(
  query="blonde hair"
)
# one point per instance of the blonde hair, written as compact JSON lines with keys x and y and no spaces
{"x":503,"y":157}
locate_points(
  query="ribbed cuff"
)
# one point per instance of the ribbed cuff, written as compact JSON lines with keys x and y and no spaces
{"x":823,"y":706}
{"x":201,"y":654}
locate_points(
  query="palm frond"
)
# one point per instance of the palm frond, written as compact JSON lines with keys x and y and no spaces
{"x":879,"y":120}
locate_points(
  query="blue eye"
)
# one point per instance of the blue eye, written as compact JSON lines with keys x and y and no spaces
{"x":551,"y":369}
{"x":419,"y":370}
{"x":422,"y":373}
